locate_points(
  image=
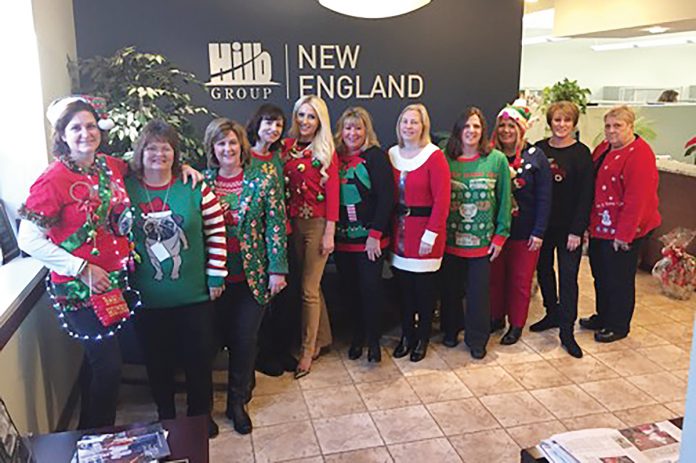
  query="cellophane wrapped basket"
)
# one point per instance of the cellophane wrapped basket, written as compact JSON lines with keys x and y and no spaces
{"x":676,"y":271}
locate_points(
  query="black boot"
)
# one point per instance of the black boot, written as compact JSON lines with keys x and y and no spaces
{"x":355,"y":352}
{"x":240,"y":418}
{"x":450,"y":340}
{"x":374,"y":353}
{"x":591,"y":323}
{"x":512,"y":336}
{"x":418,"y":352}
{"x":402,"y":349}
{"x":569,"y":343}
{"x":546,"y":323}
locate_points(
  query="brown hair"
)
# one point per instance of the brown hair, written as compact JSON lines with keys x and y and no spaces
{"x":59,"y":147}
{"x":355,"y":113}
{"x":156,"y":131}
{"x":217,"y":130}
{"x":566,"y":108}
{"x":454,"y":143}
{"x":265,"y":112}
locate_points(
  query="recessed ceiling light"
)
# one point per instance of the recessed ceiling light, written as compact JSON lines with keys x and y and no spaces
{"x":373,"y":9}
{"x":656,"y":29}
{"x":665,"y":42}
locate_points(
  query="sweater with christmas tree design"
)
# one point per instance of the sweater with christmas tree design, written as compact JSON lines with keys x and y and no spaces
{"x":480,"y":204}
{"x":180,"y":236}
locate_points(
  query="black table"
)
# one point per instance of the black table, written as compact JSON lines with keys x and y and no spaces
{"x":534,"y":455}
{"x":188,"y":439}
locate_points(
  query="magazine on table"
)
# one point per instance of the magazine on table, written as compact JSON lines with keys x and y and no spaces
{"x":647,"y":443}
{"x":139,"y":445}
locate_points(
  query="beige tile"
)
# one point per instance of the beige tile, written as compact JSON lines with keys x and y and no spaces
{"x":583,"y":370}
{"x":405,"y":424}
{"x":530,"y":435}
{"x":585,"y":338}
{"x":645,"y":414}
{"x":269,"y":385}
{"x":669,"y":357}
{"x":673,"y":332}
{"x":325,"y":373}
{"x":363,"y":372}
{"x":568,"y":401}
{"x":678,"y":407}
{"x":617,"y":394}
{"x":316,"y":459}
{"x":516,"y":353}
{"x":342,"y":400}
{"x":392,"y":393}
{"x":641,"y":337}
{"x":371,"y":455}
{"x":460,"y":357}
{"x":548,"y":346}
{"x":494,"y":446}
{"x":462,"y":416}
{"x":278,"y":408}
{"x":438,"y":387}
{"x":600,"y":420}
{"x":534,"y":375}
{"x":663,"y":387}
{"x":678,"y":313}
{"x":681,"y":374}
{"x":425,"y":450}
{"x":489,"y":380}
{"x":516,"y":408}
{"x":230,"y":446}
{"x":645,"y":316}
{"x":432,"y":363}
{"x":284,"y":442}
{"x":628,"y":362}
{"x":347,"y":432}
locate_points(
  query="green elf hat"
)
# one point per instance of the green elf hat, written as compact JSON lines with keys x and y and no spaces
{"x":58,"y":107}
{"x":518,"y":112}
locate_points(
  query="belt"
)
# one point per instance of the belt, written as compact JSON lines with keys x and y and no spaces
{"x":413,"y":211}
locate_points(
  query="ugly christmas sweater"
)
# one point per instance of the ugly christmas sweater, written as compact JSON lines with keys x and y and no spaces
{"x":422,"y":186}
{"x":480,"y":206}
{"x":366,"y":199}
{"x":180,"y":236}
{"x":625,"y":196}
{"x":531,"y":188}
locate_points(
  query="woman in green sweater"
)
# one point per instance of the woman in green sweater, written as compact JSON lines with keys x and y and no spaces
{"x":477,"y":227}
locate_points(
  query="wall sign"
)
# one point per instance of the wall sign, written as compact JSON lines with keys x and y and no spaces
{"x":448,"y":54}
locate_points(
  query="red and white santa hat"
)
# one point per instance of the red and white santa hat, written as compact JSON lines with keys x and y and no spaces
{"x":58,"y":106}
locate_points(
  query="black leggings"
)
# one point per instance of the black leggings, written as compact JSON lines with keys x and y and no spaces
{"x":418,"y":294}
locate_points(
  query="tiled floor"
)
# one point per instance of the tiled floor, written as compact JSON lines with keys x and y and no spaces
{"x":451,"y":408}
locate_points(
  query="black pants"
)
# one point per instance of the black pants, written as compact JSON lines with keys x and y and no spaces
{"x":100,"y":375}
{"x":281,"y":325}
{"x":363,"y":293}
{"x":614,"y":274}
{"x":561,"y":301}
{"x":239,"y":318}
{"x":179,"y":336}
{"x":470,"y":276}
{"x":418,"y":295}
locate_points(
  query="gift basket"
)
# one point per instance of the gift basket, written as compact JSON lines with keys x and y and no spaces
{"x":676,"y":271}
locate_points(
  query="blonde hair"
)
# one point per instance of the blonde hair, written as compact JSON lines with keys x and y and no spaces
{"x":355,"y":113}
{"x":622,"y":112}
{"x":217,"y":130}
{"x":425,"y":120}
{"x":322,"y":144}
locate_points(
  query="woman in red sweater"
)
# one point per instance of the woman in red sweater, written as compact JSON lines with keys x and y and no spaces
{"x":624,"y":212}
{"x":311,"y":180}
{"x":422,"y":180}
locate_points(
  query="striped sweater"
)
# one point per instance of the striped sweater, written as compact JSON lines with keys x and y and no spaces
{"x":180,"y":235}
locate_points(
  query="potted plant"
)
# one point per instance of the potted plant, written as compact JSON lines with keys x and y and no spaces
{"x":565,"y":90}
{"x":139,"y":87}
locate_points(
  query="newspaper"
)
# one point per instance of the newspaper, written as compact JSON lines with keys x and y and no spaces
{"x":647,"y":443}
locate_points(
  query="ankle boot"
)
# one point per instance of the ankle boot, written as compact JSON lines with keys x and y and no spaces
{"x":240,"y":418}
{"x":512,"y":336}
{"x":570,"y":344}
{"x":418,"y":352}
{"x":402,"y":349}
{"x":374,"y":353}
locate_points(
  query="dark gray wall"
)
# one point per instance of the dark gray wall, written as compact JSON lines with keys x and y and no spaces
{"x":467,"y":51}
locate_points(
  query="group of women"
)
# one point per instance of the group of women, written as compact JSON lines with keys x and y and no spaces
{"x":206,"y":260}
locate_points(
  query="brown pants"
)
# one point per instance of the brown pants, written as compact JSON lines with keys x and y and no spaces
{"x":316,"y":329}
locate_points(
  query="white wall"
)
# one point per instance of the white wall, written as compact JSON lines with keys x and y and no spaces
{"x":662,"y":67}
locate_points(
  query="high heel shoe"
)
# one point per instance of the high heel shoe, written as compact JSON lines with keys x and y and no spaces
{"x":303,"y":366}
{"x":374,"y":354}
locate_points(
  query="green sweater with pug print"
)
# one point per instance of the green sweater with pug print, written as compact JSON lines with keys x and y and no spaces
{"x":480,"y":204}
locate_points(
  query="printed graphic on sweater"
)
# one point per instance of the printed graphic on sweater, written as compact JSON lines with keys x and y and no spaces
{"x":473,"y":201}
{"x":164,"y":236}
{"x":558,"y":172}
{"x":353,"y":174}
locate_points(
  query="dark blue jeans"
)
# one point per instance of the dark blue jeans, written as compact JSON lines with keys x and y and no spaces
{"x":100,"y":376}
